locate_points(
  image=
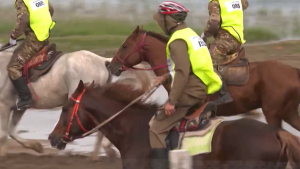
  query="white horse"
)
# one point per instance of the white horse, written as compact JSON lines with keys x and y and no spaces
{"x":53,"y":90}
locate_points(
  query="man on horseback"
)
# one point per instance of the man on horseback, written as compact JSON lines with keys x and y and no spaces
{"x":191,"y":73}
{"x":226,"y":25}
{"x":34,"y":18}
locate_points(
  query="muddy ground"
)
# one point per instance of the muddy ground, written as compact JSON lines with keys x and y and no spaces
{"x":19,"y":158}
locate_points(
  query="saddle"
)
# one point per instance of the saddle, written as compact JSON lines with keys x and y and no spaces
{"x":198,"y":118}
{"x":41,"y":63}
{"x":234,"y":71}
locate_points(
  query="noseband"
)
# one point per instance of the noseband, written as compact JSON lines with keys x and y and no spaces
{"x":140,"y":49}
{"x":66,"y":138}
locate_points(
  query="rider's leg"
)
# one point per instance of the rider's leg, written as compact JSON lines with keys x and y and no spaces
{"x":160,"y":126}
{"x":15,"y":68}
{"x":225,"y":45}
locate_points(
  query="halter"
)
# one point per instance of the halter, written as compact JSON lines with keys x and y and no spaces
{"x":75,"y":113}
{"x":140,"y":49}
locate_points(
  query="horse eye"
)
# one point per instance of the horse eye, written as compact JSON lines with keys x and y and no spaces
{"x":124,"y":47}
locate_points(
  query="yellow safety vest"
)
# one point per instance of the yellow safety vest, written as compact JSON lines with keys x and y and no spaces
{"x":233,"y":18}
{"x":40,"y":18}
{"x":199,"y":57}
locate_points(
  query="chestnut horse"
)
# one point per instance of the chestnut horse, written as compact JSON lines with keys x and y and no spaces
{"x":238,"y":143}
{"x":272,"y":85}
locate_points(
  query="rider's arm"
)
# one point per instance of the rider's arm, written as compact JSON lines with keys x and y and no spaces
{"x":245,"y":4}
{"x":22,"y":22}
{"x":51,"y":9}
{"x":180,"y":57}
{"x":214,"y":21}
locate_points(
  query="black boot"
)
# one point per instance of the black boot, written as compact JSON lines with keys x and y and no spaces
{"x":159,"y":158}
{"x":225,"y":97}
{"x":24,"y":100}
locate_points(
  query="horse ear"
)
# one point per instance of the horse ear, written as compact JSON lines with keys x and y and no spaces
{"x":92,"y":84}
{"x":80,"y":86}
{"x":141,"y":27}
{"x":136,"y":31}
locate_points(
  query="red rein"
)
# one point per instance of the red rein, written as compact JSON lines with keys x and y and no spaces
{"x":139,"y":48}
{"x":75,"y":113}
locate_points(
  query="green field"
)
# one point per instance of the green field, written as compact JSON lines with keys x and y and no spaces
{"x":103,"y":35}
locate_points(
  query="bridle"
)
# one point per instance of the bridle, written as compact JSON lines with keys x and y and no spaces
{"x":77,"y":101}
{"x":140,"y":49}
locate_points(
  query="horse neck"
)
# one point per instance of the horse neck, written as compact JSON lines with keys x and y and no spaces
{"x":156,"y":56}
{"x":129,"y":132}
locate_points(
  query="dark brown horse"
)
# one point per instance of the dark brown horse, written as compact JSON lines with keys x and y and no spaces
{"x":272,"y":85}
{"x":243,"y":143}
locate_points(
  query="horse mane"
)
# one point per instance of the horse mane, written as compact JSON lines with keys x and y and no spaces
{"x":124,"y":93}
{"x":158,"y":36}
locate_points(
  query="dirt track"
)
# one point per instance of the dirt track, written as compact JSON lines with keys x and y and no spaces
{"x":25,"y":161}
{"x":19,"y":158}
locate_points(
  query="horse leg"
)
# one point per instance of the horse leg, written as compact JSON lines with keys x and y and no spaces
{"x":4,"y":119}
{"x":272,"y":116}
{"x":111,"y":153}
{"x":292,"y":118}
{"x":30,"y":144}
{"x":97,"y":146}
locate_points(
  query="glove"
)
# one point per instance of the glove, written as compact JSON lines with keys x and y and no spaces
{"x":12,"y":41}
{"x":202,"y":36}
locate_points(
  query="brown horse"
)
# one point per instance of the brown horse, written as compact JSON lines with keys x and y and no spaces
{"x":240,"y":143}
{"x":272,"y":85}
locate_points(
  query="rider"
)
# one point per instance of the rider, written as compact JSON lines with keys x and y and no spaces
{"x":34,"y":18}
{"x":191,"y":73}
{"x":226,"y":25}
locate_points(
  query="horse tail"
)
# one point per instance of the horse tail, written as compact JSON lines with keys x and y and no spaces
{"x":290,"y":146}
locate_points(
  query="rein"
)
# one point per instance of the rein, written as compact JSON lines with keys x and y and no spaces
{"x":77,"y":101}
{"x":144,"y":96}
{"x":75,"y":113}
{"x":7,"y":46}
{"x":140,"y":49}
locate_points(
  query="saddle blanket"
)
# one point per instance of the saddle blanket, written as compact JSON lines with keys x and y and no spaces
{"x":199,"y":142}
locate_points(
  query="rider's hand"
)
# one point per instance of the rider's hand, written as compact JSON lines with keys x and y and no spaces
{"x":169,"y":109}
{"x":159,"y":80}
{"x":12,"y":41}
{"x":203,"y":37}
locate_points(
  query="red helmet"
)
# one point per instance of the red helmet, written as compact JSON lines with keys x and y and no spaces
{"x":170,"y":7}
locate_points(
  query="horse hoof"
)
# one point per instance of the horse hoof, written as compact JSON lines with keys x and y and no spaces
{"x":3,"y":152}
{"x":95,"y":158}
{"x":111,"y":153}
{"x":36,"y":146}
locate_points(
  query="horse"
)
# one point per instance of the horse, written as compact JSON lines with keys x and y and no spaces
{"x":53,"y":89}
{"x":272,"y":85}
{"x":254,"y":143}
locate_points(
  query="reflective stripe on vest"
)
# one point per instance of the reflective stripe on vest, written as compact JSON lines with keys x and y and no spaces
{"x":233,"y":18}
{"x":40,"y":18}
{"x":199,"y":57}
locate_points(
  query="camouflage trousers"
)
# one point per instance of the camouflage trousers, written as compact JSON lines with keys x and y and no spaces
{"x":22,"y":54}
{"x":225,"y":45}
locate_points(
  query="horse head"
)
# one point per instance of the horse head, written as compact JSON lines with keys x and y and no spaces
{"x":130,"y":53}
{"x":74,"y":120}
{"x":141,"y":46}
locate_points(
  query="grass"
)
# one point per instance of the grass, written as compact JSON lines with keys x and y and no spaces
{"x":100,"y":34}
{"x":259,"y":35}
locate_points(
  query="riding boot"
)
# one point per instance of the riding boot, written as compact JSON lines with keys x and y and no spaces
{"x":224,"y":94}
{"x":159,"y":158}
{"x":24,"y":95}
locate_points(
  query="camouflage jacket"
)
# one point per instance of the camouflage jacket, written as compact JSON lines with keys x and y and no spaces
{"x":214,"y":21}
{"x":22,"y":24}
